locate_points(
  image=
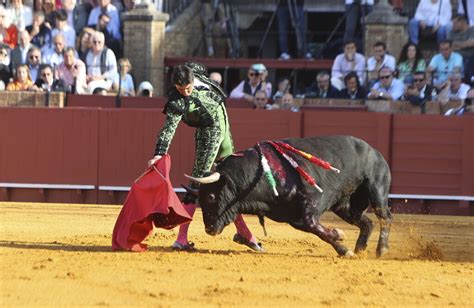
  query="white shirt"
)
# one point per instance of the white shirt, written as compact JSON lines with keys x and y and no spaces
{"x":461,"y":93}
{"x":68,"y":33}
{"x":388,"y":61}
{"x":395,"y":90}
{"x":431,"y":14}
{"x":20,"y":18}
{"x":51,"y":57}
{"x":93,"y":64}
{"x":127,"y":83}
{"x":369,"y":2}
{"x":238,"y":92}
{"x":341,"y":66}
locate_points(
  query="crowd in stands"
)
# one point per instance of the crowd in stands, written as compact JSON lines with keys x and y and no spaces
{"x":49,"y":45}
{"x":75,"y":47}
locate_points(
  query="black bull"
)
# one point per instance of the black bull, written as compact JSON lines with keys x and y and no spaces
{"x":239,"y":187}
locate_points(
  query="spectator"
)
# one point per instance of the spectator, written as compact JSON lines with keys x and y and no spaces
{"x":443,"y":63}
{"x":128,"y":5}
{"x":322,"y":88}
{"x":54,"y":54}
{"x":20,"y":15}
{"x":34,"y":62}
{"x":145,"y":89}
{"x":410,"y":61}
{"x":380,"y":59}
{"x":110,"y":41}
{"x":256,"y":81}
{"x":49,"y":8}
{"x":261,"y":100}
{"x":292,"y":11}
{"x":73,"y":72}
{"x":77,"y":14}
{"x":99,"y":91}
{"x":431,"y":17}
{"x":457,"y":89}
{"x":19,"y":53}
{"x":356,"y":10}
{"x":288,"y":103}
{"x":214,"y":26}
{"x":388,"y":87}
{"x":5,"y":72}
{"x":40,"y":34}
{"x":8,"y":31}
{"x":353,"y":89}
{"x":284,"y":87}
{"x":347,"y":62}
{"x":106,"y":7}
{"x":84,"y":43}
{"x":419,"y":91}
{"x":22,"y":81}
{"x":63,"y":28}
{"x":46,"y":81}
{"x":462,"y":36}
{"x":101,"y":69}
{"x":127,"y":87}
{"x":216,"y":77}
{"x":466,"y":7}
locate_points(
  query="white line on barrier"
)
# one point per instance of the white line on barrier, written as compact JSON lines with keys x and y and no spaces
{"x":46,"y":186}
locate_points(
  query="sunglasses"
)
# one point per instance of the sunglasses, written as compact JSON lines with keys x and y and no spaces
{"x":34,"y":57}
{"x":253,"y":74}
{"x":258,"y":99}
{"x":418,"y":80}
{"x":385,"y":77}
{"x":97,"y":42}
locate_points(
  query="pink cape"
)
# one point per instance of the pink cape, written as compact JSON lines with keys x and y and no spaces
{"x":151,"y":193}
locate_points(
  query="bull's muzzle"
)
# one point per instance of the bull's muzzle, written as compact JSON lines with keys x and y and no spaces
{"x":212,"y":178}
{"x":212,"y":231}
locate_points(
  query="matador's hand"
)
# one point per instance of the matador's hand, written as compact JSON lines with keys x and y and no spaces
{"x":154,"y":159}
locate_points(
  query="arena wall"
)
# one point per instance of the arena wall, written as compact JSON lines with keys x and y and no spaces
{"x":92,"y":155}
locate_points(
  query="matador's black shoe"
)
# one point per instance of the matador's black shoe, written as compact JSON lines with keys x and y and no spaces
{"x":242,"y":240}
{"x":183,"y":247}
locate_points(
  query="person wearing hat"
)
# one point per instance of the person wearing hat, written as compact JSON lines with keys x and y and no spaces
{"x":145,"y":89}
{"x":199,"y":102}
{"x":256,"y":80}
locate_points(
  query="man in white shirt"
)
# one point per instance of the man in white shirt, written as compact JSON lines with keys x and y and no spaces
{"x":101,"y":69}
{"x":388,"y":87}
{"x":432,"y":16}
{"x":457,"y":89}
{"x":349,"y":61}
{"x":379,"y":59}
{"x":106,"y":7}
{"x":54,"y":54}
{"x":63,"y":28}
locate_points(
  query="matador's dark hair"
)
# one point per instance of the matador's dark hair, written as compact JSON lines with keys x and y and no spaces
{"x":182,"y":75}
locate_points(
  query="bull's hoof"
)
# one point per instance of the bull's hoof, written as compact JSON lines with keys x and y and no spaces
{"x":340,"y":235}
{"x":359,"y":249}
{"x":381,"y":251}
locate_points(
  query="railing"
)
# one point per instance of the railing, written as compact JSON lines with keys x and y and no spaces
{"x":175,"y":7}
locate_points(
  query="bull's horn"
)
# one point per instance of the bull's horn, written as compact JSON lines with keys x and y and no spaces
{"x":190,"y":190}
{"x":212,"y":178}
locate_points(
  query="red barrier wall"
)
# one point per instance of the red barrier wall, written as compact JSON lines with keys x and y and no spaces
{"x":110,"y":147}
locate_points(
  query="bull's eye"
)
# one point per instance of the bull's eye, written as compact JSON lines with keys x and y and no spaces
{"x":211,"y":197}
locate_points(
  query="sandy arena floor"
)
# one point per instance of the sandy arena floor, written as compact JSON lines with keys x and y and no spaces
{"x":59,"y":255}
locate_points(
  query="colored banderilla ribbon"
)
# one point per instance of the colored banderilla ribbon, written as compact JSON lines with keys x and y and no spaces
{"x":267,"y":172}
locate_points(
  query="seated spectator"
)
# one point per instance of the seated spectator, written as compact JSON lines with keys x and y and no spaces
{"x":284,"y":87}
{"x":410,"y":61}
{"x":216,"y":77}
{"x":78,"y":14}
{"x":20,"y":52}
{"x":288,"y":103}
{"x":110,"y":41}
{"x":419,"y":91}
{"x":388,"y":87}
{"x":462,"y":36}
{"x":261,"y":100}
{"x":101,"y":69}
{"x":353,"y":89}
{"x":53,"y":55}
{"x":106,"y":7}
{"x":432,"y":17}
{"x":457,"y":89}
{"x":22,"y":80}
{"x":84,"y":43}
{"x":99,"y":91}
{"x":256,"y":80}
{"x":34,"y":62}
{"x":8,"y":31}
{"x":349,"y":61}
{"x":380,"y":59}
{"x":127,"y":87}
{"x":46,"y":81}
{"x":322,"y":88}
{"x":73,"y":72}
{"x":40,"y":34}
{"x":63,"y":28}
{"x":444,"y":63}
{"x":145,"y":89}
{"x":20,"y":15}
{"x":49,"y":9}
{"x":5,"y":72}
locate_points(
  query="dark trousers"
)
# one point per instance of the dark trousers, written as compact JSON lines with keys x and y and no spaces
{"x":354,"y":13}
{"x":284,"y":19}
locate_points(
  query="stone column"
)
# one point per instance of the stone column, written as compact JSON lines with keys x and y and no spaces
{"x":144,"y":40}
{"x":382,"y":24}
